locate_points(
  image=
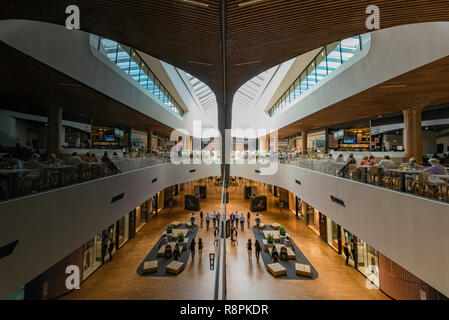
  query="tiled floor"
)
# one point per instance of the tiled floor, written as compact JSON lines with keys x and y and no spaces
{"x":118,"y":279}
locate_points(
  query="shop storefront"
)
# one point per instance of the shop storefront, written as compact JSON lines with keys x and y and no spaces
{"x":91,"y":256}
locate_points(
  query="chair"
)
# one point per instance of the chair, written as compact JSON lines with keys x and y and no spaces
{"x":373,"y":175}
{"x":437,"y":184}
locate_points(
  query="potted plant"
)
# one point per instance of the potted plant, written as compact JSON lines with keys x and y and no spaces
{"x":169,"y":229}
{"x":270,"y":239}
{"x":282,"y":231}
{"x":180,"y":237}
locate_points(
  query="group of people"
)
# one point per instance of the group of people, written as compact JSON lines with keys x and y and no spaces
{"x":175,"y":252}
{"x":276,"y":255}
{"x":434,"y":167}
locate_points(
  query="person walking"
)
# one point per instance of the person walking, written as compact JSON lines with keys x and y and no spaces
{"x":242,"y":222}
{"x":192,"y":248}
{"x":200,"y":248}
{"x":248,"y":217}
{"x":232,"y":237}
{"x":207,"y":221}
{"x":192,"y":220}
{"x":231,"y":218}
{"x":237,"y":219}
{"x":201,"y":218}
{"x":249,"y":246}
{"x":258,"y":249}
{"x":346,"y":252}
{"x":258,"y":223}
{"x":215,"y":236}
{"x":214,"y":219}
{"x":111,"y":247}
{"x":236,"y":236}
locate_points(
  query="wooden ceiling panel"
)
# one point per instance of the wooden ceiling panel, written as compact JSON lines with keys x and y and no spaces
{"x":260,"y":34}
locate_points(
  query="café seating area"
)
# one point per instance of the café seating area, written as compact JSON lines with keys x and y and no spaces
{"x":42,"y":173}
{"x":400,"y":177}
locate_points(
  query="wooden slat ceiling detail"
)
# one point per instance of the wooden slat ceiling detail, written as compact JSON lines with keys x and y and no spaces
{"x":259,"y":36}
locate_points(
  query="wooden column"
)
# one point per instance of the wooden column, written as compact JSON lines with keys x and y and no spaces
{"x":268,"y":143}
{"x":304,"y":142}
{"x":413,"y":133}
{"x":54,"y":131}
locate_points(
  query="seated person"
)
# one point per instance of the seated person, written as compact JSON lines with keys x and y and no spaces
{"x":436,"y":167}
{"x":168,"y":251}
{"x":274,"y":254}
{"x":284,"y":255}
{"x":164,"y":239}
{"x":176,"y":252}
{"x":289,"y":243}
{"x":54,"y":161}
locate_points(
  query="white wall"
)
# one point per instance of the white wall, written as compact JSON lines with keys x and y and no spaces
{"x":412,"y":231}
{"x":53,"y":224}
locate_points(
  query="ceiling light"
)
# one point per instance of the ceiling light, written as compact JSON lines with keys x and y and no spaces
{"x":202,"y":63}
{"x":248,"y":3}
{"x":196,"y":3}
{"x":249,"y":62}
{"x":394,"y":86}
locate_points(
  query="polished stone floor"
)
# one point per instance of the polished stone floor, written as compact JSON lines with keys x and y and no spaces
{"x":118,"y":279}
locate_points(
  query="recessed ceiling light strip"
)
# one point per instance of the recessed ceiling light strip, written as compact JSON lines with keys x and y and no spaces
{"x":248,"y":3}
{"x":196,"y":3}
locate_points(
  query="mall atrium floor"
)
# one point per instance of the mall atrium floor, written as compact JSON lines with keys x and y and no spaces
{"x":118,"y":278}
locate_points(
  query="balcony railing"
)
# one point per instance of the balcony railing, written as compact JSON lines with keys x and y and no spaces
{"x":19,"y":182}
{"x":129,"y":60}
{"x":329,"y":59}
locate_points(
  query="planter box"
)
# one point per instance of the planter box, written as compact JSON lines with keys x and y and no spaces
{"x":184,"y":243}
{"x":267,"y":246}
{"x":282,"y":238}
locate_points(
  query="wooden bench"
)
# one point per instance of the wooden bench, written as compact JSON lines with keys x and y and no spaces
{"x":174,"y":267}
{"x":161,"y":251}
{"x":176,"y":223}
{"x":150,"y":266}
{"x":303,"y":270}
{"x":276,"y":226}
{"x":277,"y":269}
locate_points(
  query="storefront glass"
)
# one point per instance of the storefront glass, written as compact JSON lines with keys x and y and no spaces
{"x":368,"y":261}
{"x":332,"y":234}
{"x":91,"y":256}
{"x":140,"y":217}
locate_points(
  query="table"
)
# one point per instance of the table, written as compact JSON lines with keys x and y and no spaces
{"x":402,"y":174}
